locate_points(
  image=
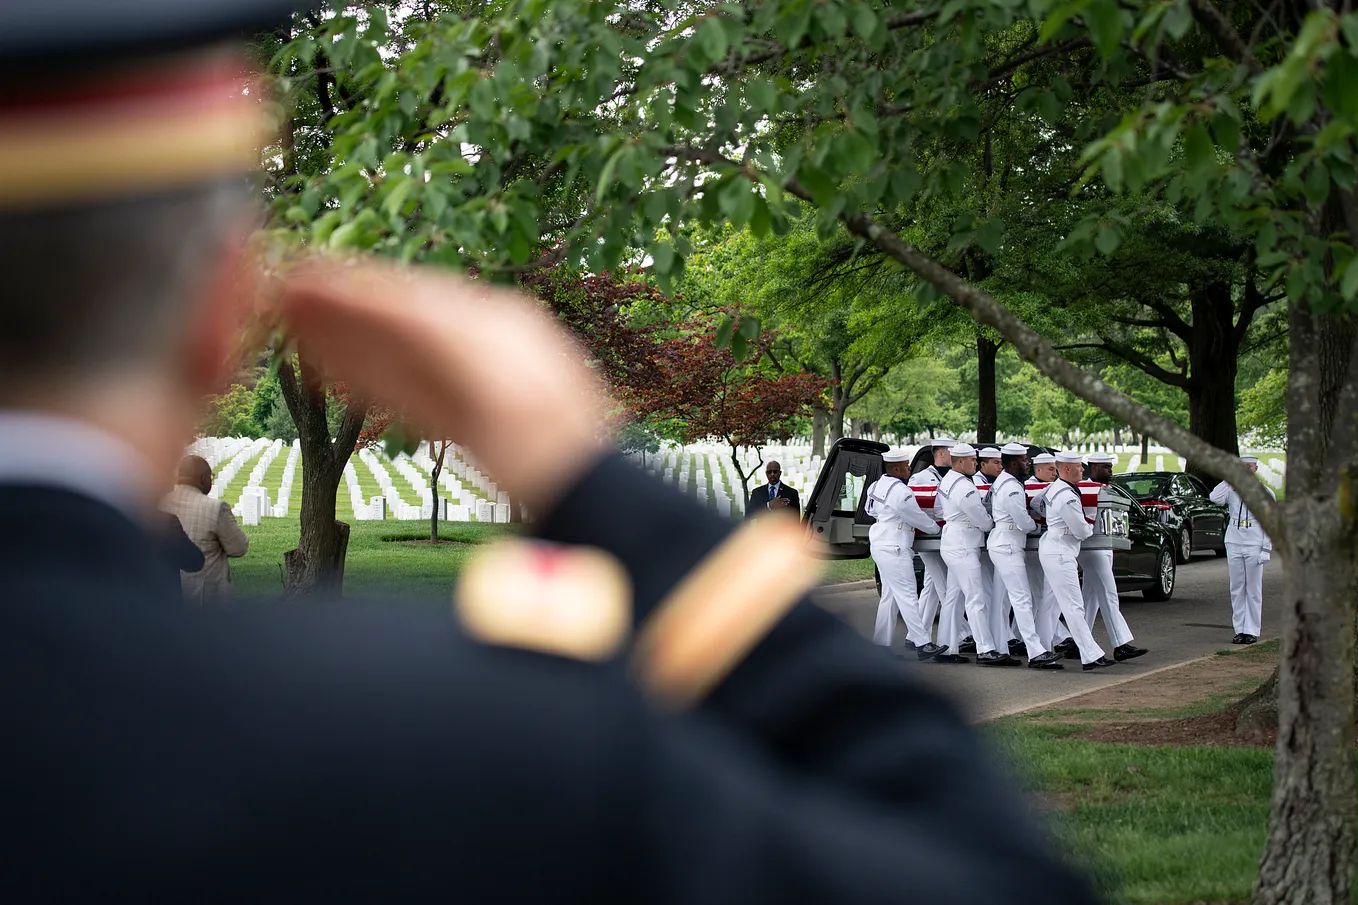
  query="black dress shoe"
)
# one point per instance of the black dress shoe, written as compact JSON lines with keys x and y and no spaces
{"x":1101,"y":663}
{"x":1017,"y":647}
{"x":1128,"y":651}
{"x":951,"y":658}
{"x":1249,"y":639}
{"x":1049,"y":660}
{"x":968,"y":645}
{"x":1239,"y":638}
{"x":995,"y":658}
{"x":908,"y":645}
{"x":1072,"y":652}
{"x":929,"y":651}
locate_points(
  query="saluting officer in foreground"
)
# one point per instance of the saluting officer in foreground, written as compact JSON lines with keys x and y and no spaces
{"x":1058,"y":550}
{"x":635,"y":706}
{"x":1247,"y":549}
{"x":892,"y":539}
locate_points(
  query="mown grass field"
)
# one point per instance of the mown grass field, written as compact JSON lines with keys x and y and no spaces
{"x":1155,"y":824}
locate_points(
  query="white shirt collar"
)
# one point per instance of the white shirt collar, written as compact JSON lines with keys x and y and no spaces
{"x":54,"y":451}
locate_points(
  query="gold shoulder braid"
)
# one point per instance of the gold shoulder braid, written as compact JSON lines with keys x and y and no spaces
{"x":722,"y":609}
{"x":576,"y":602}
{"x":570,"y":601}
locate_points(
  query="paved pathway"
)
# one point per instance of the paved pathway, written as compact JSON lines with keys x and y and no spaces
{"x":1194,"y":623}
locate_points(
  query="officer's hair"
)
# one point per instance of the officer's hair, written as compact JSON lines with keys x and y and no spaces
{"x":94,"y":289}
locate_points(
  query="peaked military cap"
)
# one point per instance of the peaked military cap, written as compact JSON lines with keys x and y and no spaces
{"x":103,"y":99}
{"x":45,"y":34}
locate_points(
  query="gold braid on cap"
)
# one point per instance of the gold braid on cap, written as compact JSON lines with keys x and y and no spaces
{"x":161,"y":126}
{"x":722,"y":609}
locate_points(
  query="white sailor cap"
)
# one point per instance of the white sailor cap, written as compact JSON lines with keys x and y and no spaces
{"x":896,"y":454}
{"x":963,"y":450}
{"x":989,"y":452}
{"x":1014,"y":449}
{"x":1044,"y":459}
{"x":1250,"y":460}
{"x":1100,"y":458}
{"x":1069,"y":457}
{"x":943,"y":441}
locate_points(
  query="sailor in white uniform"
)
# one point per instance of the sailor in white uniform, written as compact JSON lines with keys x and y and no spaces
{"x":892,"y":537}
{"x":1006,"y":543}
{"x":1046,"y":613}
{"x":989,"y":467}
{"x":1058,"y":549}
{"x":935,"y":572}
{"x":1100,"y":590}
{"x":965,"y":523}
{"x":1247,"y":549}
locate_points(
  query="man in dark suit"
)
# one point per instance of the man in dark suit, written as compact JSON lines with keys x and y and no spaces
{"x":610,"y":717}
{"x":775,"y":496}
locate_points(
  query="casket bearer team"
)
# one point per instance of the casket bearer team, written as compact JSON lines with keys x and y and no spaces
{"x":965,"y":523}
{"x":935,"y":572}
{"x":1013,"y":524}
{"x":892,"y":537}
{"x":1058,"y":550}
{"x":1100,"y":591}
{"x":1247,"y":549}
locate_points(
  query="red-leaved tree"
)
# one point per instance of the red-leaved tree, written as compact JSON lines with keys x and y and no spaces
{"x":705,"y":392}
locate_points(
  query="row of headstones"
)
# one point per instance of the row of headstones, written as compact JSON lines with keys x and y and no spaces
{"x":254,"y":503}
{"x":221,"y":477}
{"x":254,"y":500}
{"x":674,"y":469}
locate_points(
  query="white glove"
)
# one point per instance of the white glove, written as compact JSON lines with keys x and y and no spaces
{"x":1265,"y":556}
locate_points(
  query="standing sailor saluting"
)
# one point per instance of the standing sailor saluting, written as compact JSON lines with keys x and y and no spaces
{"x":1247,"y":549}
{"x":892,"y":537}
{"x":965,"y":523}
{"x":1058,"y":550}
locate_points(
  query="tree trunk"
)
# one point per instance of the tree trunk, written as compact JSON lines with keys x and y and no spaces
{"x":434,"y":490}
{"x":820,"y":420}
{"x":1145,"y":447}
{"x":986,"y":415}
{"x":1213,"y":356}
{"x":1117,"y":437}
{"x":316,"y":567}
{"x":1308,"y":851}
{"x":838,"y":403}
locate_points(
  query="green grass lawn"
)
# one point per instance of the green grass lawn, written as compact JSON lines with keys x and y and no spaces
{"x":374,"y":565}
{"x":1155,"y":824}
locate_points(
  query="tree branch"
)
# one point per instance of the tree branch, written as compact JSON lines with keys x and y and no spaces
{"x":1031,"y":346}
{"x":1227,"y":38}
{"x":346,"y":438}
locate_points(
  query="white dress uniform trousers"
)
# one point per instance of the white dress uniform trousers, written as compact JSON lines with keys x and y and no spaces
{"x":1247,"y":549}
{"x":892,"y":539}
{"x":965,"y":524}
{"x":1047,"y":614}
{"x":1009,"y":508}
{"x":1100,"y":595}
{"x":1058,"y":550}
